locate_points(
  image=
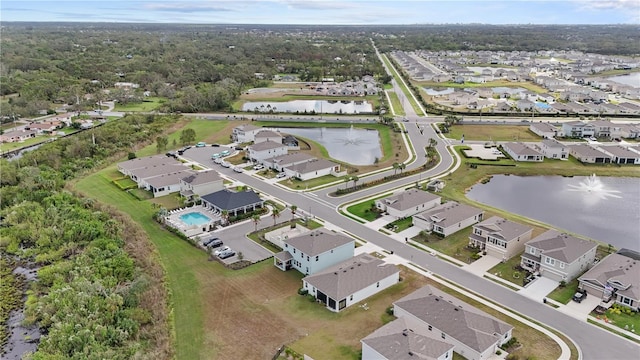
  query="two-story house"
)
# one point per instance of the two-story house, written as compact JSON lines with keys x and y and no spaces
{"x":265,"y":150}
{"x":407,"y":203}
{"x":267,"y":135}
{"x":245,"y":133}
{"x":314,"y":251}
{"x":474,"y":334}
{"x":553,"y":149}
{"x":577,"y":129}
{"x":448,"y":218}
{"x":543,"y":129}
{"x":560,"y":257}
{"x":615,"y":278}
{"x":499,"y":237}
{"x":200,"y":184}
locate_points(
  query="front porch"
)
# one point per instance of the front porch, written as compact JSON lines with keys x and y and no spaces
{"x":530,"y":262}
{"x":282,"y":260}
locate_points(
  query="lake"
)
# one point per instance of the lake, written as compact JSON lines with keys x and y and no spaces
{"x":632,"y":79}
{"x":602,"y":208}
{"x":310,"y":106}
{"x":351,"y":145}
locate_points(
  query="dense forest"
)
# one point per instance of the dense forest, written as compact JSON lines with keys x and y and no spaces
{"x":197,"y":69}
{"x":99,"y":292}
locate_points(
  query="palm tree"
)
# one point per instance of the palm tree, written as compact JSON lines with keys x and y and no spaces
{"x":224,"y":214}
{"x":402,"y":167}
{"x":346,"y":182}
{"x":396,"y":166}
{"x":432,"y":142}
{"x":256,"y":221}
{"x":293,"y":214}
{"x":275,"y":213}
{"x":355,"y":179}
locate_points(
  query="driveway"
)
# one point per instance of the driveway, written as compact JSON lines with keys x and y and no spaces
{"x":539,"y":288}
{"x":582,"y":309}
{"x":482,"y":265}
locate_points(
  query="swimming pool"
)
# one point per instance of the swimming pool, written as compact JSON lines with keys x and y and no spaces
{"x":194,"y":218}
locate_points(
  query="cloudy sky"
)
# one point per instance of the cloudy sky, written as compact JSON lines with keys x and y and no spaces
{"x":326,"y":11}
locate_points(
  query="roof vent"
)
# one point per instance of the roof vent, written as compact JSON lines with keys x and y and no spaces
{"x":404,"y":332}
{"x":437,"y":299}
{"x":456,"y":309}
{"x":410,"y":353}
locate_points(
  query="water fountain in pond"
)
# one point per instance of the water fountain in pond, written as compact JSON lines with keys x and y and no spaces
{"x":351,"y":139}
{"x":594,"y":186}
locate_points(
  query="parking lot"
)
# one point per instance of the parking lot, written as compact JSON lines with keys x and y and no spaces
{"x":202,"y":155}
{"x":235,"y":238}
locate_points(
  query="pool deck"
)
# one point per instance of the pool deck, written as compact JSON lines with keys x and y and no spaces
{"x":173,"y":219}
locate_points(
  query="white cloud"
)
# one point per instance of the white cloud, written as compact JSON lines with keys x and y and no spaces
{"x":632,"y":5}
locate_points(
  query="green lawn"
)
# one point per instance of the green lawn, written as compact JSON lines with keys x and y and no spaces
{"x":206,"y":130}
{"x":395,"y":103}
{"x":30,"y":141}
{"x":497,"y":83}
{"x":363,"y":210}
{"x":311,"y":183}
{"x":400,"y":224}
{"x":454,"y":245}
{"x":619,"y":316}
{"x":506,"y":270}
{"x":148,"y":104}
{"x":564,"y":294}
{"x":492,"y":133}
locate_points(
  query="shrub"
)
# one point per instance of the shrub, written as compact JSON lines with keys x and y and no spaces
{"x":389,"y":310}
{"x":303,"y":291}
{"x":498,"y":352}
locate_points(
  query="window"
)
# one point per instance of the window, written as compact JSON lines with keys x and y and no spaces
{"x":477,"y":231}
{"x":627,"y":301}
{"x":430,"y":327}
{"x":351,"y":298}
{"x":532,"y":251}
{"x":549,"y":261}
{"x":442,"y":335}
{"x":317,"y":257}
{"x":378,"y":284}
{"x":294,"y":250}
{"x":307,"y":257}
{"x":561,"y":265}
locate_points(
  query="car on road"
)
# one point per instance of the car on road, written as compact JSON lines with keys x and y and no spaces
{"x":225,"y":164}
{"x":281,"y":175}
{"x":210,"y":242}
{"x":215,"y":155}
{"x":258,"y":167}
{"x":579,"y":296}
{"x":201,"y":144}
{"x":221,"y":250}
{"x":225,"y":152}
{"x":237,"y":169}
{"x":226,"y":254}
{"x":218,"y":160}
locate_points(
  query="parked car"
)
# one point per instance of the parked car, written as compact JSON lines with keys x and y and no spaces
{"x":215,"y":145}
{"x":579,"y":296}
{"x":281,"y":175}
{"x":171,"y":154}
{"x":221,"y":250}
{"x":225,"y":164}
{"x":258,"y":167}
{"x":237,"y":169}
{"x":225,"y":152}
{"x":218,"y":160}
{"x":201,"y":144}
{"x":226,"y":254}
{"x":215,"y":155}
{"x":214,"y":244}
{"x":209,"y":241}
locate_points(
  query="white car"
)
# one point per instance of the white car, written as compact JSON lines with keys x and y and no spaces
{"x":221,"y":250}
{"x":258,"y":167}
{"x":237,"y":169}
{"x":225,"y":164}
{"x":281,"y":175}
{"x":218,"y":161}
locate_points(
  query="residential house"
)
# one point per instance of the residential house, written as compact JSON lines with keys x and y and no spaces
{"x":606,"y":129}
{"x":525,"y":105}
{"x":621,"y":155}
{"x":278,"y":163}
{"x":245,"y":133}
{"x":314,"y":251}
{"x":560,"y":257}
{"x":351,"y":281}
{"x":200,"y":184}
{"x":577,"y":129}
{"x":617,"y":278}
{"x":405,"y":338}
{"x":44,"y":127}
{"x":474,"y":334}
{"x":128,"y":167}
{"x":265,"y":150}
{"x":165,"y":183}
{"x":232,"y":202}
{"x":521,"y":152}
{"x":499,"y":237}
{"x":544,"y":130}
{"x":554,"y":149}
{"x":267,"y":135}
{"x":17,"y":135}
{"x":407,"y":203}
{"x":588,"y":154}
{"x":313,"y":169}
{"x":448,"y":218}
{"x":629,"y":131}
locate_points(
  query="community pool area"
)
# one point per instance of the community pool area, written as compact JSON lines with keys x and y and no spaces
{"x":194,"y":218}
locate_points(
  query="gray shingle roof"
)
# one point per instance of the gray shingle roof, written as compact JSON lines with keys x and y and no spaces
{"x":461,"y":321}
{"x":318,"y":241}
{"x":409,"y":199}
{"x":312,"y":165}
{"x":351,"y":276}
{"x":229,"y":200}
{"x":544,"y":127}
{"x":168,"y":179}
{"x":586,"y":150}
{"x":405,"y":339}
{"x":266,"y":145}
{"x":157,"y":170}
{"x":503,"y":229}
{"x":247,"y":127}
{"x":203,"y":177}
{"x":267,"y":133}
{"x":521,"y":149}
{"x":616,"y":268}
{"x":449,"y":213}
{"x":553,"y":143}
{"x":291,"y":158}
{"x":563,"y":247}
{"x":147,"y":161}
{"x":620,"y":152}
